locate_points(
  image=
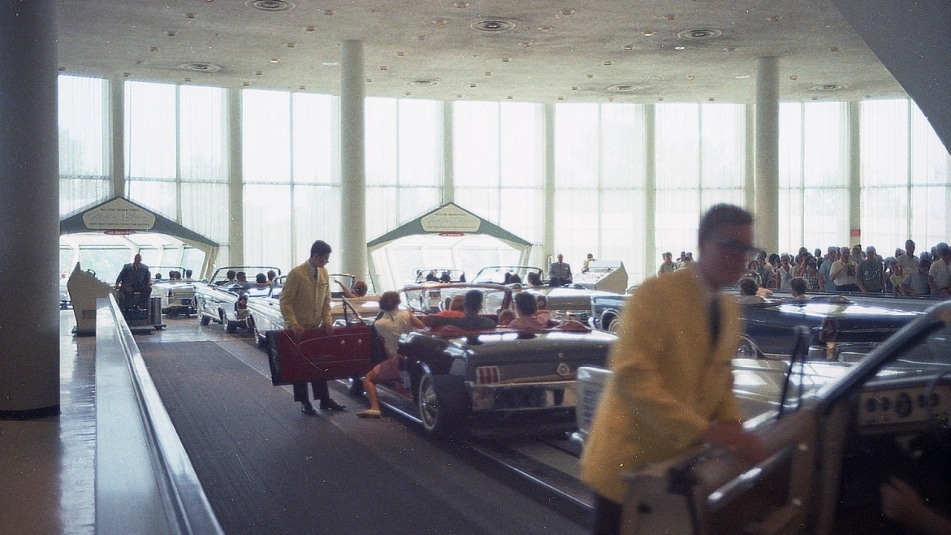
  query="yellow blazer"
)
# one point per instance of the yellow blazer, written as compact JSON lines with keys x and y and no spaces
{"x":668,"y":383}
{"x":305,"y":300}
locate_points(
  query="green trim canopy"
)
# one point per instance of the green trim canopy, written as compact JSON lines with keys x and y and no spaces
{"x":120,"y":216}
{"x":449,"y":220}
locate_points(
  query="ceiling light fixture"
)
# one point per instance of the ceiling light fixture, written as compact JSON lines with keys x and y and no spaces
{"x":424,"y":82}
{"x":270,"y":5}
{"x":826,"y":87}
{"x":493,"y":25}
{"x":700,"y":34}
{"x":200,"y":66}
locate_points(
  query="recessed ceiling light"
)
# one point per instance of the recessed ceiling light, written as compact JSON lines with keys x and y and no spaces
{"x":424,"y":82}
{"x":623,"y":88}
{"x":493,"y":25}
{"x":200,"y":66}
{"x":270,"y":5}
{"x":826,"y":87}
{"x":700,"y":34}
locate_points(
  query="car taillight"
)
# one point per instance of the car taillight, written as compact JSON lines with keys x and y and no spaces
{"x":829,"y":330}
{"x":487,"y":375}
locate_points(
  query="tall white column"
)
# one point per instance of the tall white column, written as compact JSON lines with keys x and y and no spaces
{"x":117,"y":173}
{"x":766,"y":228}
{"x":353,"y":250}
{"x":29,"y":210}
{"x":235,"y":182}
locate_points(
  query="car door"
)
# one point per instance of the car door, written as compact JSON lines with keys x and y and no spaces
{"x":709,"y":491}
{"x":317,"y":355}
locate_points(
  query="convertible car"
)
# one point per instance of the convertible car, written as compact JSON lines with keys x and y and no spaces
{"x":217,"y":299}
{"x":178,"y":296}
{"x":840,"y":327}
{"x":572,"y":301}
{"x":834,"y":435}
{"x":455,"y":381}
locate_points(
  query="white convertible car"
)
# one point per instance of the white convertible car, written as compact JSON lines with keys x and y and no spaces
{"x":834,"y":434}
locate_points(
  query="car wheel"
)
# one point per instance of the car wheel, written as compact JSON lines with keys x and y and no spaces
{"x":231,"y":327}
{"x":613,"y":325}
{"x":441,"y":406}
{"x":203,"y":319}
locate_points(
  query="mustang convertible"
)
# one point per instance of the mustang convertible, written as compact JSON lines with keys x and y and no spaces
{"x":454,"y":380}
{"x":836,"y":438}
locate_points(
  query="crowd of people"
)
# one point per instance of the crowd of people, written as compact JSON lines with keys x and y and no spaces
{"x":843,"y":270}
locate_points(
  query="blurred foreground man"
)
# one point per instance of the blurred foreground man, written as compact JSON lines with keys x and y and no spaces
{"x":672,"y":386}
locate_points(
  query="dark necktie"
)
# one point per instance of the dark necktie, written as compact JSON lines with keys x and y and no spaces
{"x":715,"y":318}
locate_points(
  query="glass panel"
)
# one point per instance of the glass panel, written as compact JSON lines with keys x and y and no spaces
{"x":266,"y":136}
{"x":316,"y":149}
{"x":204,"y":134}
{"x":382,"y":150}
{"x":83,"y":120}
{"x":678,"y":142}
{"x":151,"y":130}
{"x":420,"y":143}
{"x":475,"y":144}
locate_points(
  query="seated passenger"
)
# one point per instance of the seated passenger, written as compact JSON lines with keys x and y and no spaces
{"x":748,"y":292}
{"x":229,"y":278}
{"x":506,"y":317}
{"x":471,"y":320}
{"x":797,"y":286}
{"x":455,"y":309}
{"x":534,"y":279}
{"x":260,"y":280}
{"x":529,"y":319}
{"x":391,"y":324}
{"x":359,"y":289}
{"x":242,"y":279}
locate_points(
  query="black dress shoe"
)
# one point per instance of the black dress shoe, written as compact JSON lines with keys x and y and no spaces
{"x":331,"y":405}
{"x":307,"y":408}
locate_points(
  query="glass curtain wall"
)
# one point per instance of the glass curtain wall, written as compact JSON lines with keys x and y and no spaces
{"x":700,"y":161}
{"x":177,"y":161}
{"x":84,"y":142}
{"x":904,"y":173}
{"x":499,"y":171}
{"x":599,"y":181}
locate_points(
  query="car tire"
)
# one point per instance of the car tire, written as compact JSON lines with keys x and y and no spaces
{"x":203,"y":319}
{"x":613,"y":325}
{"x":231,"y":327}
{"x":748,"y":349}
{"x":442,"y":405}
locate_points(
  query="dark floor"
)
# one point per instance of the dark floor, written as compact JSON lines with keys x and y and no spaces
{"x":265,"y":467}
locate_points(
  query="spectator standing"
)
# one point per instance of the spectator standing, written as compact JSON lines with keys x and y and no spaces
{"x":559,"y":273}
{"x":667,"y":266}
{"x":843,"y":272}
{"x":893,"y":278}
{"x":908,"y":262}
{"x":870,"y":273}
{"x":587,"y":263}
{"x":811,"y":275}
{"x":825,"y":281}
{"x":305,"y":304}
{"x":917,"y":284}
{"x":671,"y":386}
{"x":939,"y":275}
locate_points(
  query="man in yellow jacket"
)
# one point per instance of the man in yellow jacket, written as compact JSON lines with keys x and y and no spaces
{"x":672,"y":383}
{"x":305,"y":304}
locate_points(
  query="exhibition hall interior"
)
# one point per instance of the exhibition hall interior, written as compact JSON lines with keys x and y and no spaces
{"x":470,"y":139}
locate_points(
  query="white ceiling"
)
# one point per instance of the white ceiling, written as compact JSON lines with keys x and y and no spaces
{"x":551,"y":51}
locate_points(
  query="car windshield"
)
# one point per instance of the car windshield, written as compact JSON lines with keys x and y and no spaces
{"x":762,"y":385}
{"x":434,"y":298}
{"x":497,"y":274}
